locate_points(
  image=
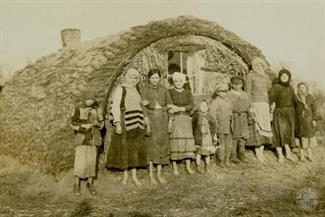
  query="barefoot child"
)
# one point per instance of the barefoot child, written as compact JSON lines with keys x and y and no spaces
{"x":86,"y":121}
{"x":305,"y":121}
{"x":221,"y":109}
{"x":204,"y":131}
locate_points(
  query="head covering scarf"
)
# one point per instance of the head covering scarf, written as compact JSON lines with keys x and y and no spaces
{"x":258,"y":60}
{"x":281,"y":72}
{"x":177,"y":76}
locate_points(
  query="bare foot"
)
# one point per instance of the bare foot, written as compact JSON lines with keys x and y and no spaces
{"x":152,"y":180}
{"x":189,"y":170}
{"x":281,"y":160}
{"x":289,"y":157}
{"x":161,"y":180}
{"x":124,"y":181}
{"x":176,"y":173}
{"x":136,"y":181}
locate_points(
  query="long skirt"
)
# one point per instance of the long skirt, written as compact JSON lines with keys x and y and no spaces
{"x":127,"y":150}
{"x":85,"y":161}
{"x":158,"y":141}
{"x":284,"y":127}
{"x":182,"y":145}
{"x":256,"y":139}
{"x":260,"y":130}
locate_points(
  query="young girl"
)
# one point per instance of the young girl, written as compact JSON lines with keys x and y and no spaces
{"x":128,"y":149}
{"x":204,"y":131}
{"x":86,"y":121}
{"x":283,"y":101}
{"x":156,"y":101}
{"x":305,"y":121}
{"x":221,"y":109}
{"x":241,"y":105}
{"x":182,"y":146}
{"x":258,"y":85}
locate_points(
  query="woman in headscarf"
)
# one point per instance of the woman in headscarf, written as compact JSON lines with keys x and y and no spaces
{"x":283,"y":102}
{"x":182,"y":144}
{"x":258,"y":85}
{"x":305,"y":120}
{"x":128,"y":149}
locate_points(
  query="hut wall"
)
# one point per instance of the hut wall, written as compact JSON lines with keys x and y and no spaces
{"x":36,"y":104}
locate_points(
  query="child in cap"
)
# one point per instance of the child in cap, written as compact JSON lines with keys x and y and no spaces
{"x":221,"y":109}
{"x":241,"y":105}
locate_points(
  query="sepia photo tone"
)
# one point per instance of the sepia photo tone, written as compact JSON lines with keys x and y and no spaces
{"x":162,"y":108}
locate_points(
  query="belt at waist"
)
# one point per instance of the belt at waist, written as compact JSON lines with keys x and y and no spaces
{"x":161,"y":108}
{"x":182,"y":113}
{"x":243,"y":112}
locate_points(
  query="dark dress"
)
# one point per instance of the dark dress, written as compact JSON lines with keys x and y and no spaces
{"x":305,"y":114}
{"x":181,"y":141}
{"x":158,"y":141}
{"x":283,"y":125}
{"x":127,"y":150}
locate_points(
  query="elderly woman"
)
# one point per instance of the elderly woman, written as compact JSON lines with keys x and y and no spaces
{"x":258,"y":85}
{"x":86,"y":121}
{"x":283,"y":101}
{"x":157,"y":101}
{"x":128,"y":149}
{"x":182,"y":144}
{"x":305,"y":120}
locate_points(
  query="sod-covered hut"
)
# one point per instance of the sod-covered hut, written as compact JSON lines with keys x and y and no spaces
{"x":36,"y":104}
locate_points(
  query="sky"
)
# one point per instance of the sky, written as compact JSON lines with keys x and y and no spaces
{"x":290,"y":33}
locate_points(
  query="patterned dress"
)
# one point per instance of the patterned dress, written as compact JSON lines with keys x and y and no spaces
{"x":182,"y":144}
{"x":260,"y":130}
{"x":204,"y":129}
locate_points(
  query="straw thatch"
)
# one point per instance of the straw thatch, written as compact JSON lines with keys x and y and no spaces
{"x":36,"y":103}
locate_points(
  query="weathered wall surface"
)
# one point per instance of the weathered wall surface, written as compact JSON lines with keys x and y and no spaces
{"x":36,"y":104}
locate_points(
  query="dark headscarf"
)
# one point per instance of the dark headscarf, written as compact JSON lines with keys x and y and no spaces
{"x":284,"y":71}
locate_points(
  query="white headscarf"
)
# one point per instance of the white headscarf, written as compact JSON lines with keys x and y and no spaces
{"x":177,"y":76}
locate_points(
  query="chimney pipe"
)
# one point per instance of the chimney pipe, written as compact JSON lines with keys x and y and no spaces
{"x":71,"y":38}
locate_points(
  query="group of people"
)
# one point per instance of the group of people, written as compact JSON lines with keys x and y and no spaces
{"x":153,"y":125}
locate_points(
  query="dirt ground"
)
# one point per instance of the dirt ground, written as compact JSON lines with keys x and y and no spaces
{"x":247,"y":189}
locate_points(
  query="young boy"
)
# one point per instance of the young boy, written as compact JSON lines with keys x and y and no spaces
{"x":221,"y":109}
{"x":241,"y":106}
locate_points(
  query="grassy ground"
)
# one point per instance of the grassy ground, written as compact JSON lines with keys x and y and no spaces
{"x":248,"y":189}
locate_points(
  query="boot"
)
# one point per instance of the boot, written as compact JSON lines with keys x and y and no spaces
{"x":241,"y":151}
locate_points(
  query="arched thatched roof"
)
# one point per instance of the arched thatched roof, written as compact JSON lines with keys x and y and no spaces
{"x":35,"y":105}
